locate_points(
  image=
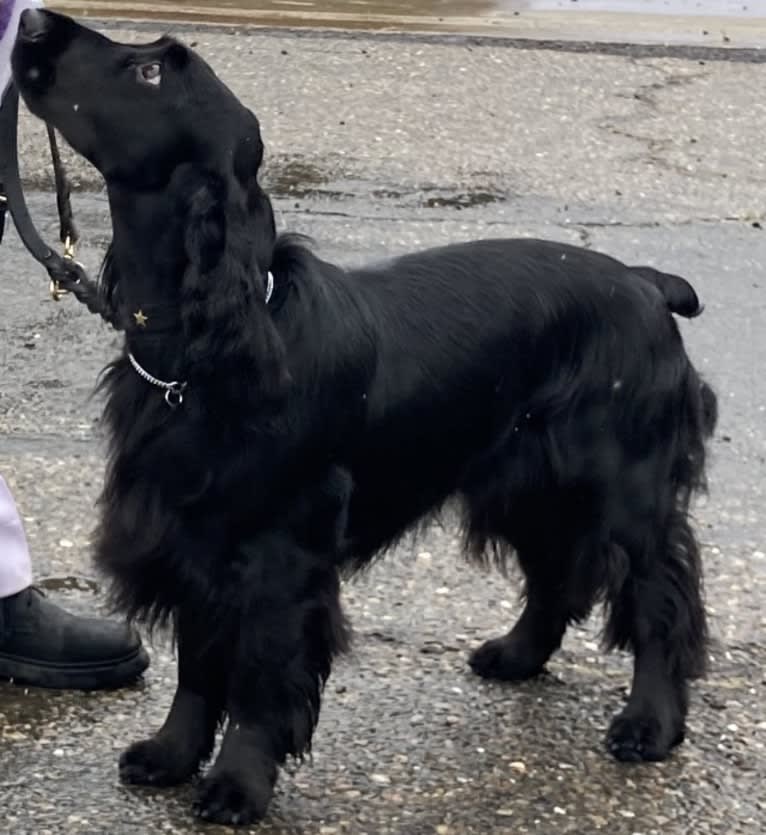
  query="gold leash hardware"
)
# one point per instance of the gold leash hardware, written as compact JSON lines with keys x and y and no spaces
{"x":69,"y":248}
{"x":56,"y":290}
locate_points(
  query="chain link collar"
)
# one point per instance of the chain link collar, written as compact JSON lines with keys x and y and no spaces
{"x":174,"y":389}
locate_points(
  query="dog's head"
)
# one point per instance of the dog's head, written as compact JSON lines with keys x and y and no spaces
{"x":180,"y":155}
{"x":135,"y":112}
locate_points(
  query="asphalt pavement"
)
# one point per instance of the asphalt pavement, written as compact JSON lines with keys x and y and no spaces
{"x":377,"y":145}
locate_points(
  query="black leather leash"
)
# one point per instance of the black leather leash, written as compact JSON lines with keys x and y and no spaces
{"x":66,"y":274}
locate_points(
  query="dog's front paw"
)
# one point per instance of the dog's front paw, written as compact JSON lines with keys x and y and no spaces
{"x":636,"y":737}
{"x":233,"y":798}
{"x":155,"y":762}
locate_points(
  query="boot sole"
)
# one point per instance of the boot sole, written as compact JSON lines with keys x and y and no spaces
{"x":102,"y":675}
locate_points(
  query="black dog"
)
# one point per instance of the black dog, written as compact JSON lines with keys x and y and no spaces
{"x":543,"y":388}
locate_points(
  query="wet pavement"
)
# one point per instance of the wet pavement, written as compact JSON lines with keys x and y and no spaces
{"x":376,"y":146}
{"x":725,"y":23}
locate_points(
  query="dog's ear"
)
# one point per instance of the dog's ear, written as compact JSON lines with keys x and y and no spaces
{"x":246,"y":161}
{"x":231,"y":342}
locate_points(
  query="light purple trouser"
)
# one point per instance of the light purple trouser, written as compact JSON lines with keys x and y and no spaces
{"x":15,"y":564}
{"x":11,"y":12}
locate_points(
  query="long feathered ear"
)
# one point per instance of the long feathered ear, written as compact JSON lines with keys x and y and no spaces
{"x":231,"y":343}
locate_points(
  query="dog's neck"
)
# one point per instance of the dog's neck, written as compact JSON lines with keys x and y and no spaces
{"x":148,"y":261}
{"x":148,"y":253}
{"x":152,"y":267}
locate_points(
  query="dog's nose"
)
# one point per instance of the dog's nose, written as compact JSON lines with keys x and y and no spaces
{"x":32,"y":24}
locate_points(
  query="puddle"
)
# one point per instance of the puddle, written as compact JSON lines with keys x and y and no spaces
{"x":27,"y":712}
{"x":707,"y":8}
{"x":298,"y":178}
{"x":435,"y":8}
{"x":624,"y":21}
{"x":56,"y":584}
{"x":397,"y":14}
{"x":294,"y":178}
{"x":462,"y":201}
{"x":44,"y":384}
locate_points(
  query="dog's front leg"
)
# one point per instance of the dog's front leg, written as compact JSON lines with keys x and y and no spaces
{"x":290,"y":627}
{"x":175,"y":752}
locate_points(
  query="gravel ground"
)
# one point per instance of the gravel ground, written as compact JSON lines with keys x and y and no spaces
{"x":377,"y":145}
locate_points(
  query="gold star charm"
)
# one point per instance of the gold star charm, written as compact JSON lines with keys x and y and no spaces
{"x":141,"y":318}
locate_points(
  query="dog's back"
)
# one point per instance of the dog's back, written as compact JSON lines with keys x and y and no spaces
{"x":478,"y":342}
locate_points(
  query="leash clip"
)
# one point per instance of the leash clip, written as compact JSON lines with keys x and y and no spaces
{"x":69,"y":248}
{"x":56,"y":290}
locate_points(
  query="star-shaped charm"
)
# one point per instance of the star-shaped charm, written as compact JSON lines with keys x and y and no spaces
{"x":141,"y":318}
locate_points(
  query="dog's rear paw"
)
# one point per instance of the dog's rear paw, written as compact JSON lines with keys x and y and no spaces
{"x":642,"y":738}
{"x":234,"y":799}
{"x":154,"y":762}
{"x":502,"y":658}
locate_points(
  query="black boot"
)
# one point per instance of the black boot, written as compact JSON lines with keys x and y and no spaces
{"x":44,"y":646}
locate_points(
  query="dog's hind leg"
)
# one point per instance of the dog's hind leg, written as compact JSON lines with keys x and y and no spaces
{"x":175,"y":752}
{"x":658,"y":612}
{"x":553,"y":600}
{"x":537,"y":634}
{"x":563,"y":574}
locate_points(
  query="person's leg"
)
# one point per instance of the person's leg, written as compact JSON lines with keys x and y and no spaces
{"x":41,"y":644}
{"x":15,"y":564}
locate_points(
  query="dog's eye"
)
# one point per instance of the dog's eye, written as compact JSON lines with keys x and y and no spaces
{"x":150,"y":73}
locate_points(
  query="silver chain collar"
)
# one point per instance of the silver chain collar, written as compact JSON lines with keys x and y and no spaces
{"x":174,"y":390}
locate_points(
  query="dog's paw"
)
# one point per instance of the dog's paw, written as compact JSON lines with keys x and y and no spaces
{"x":503,"y":658}
{"x":233,"y":798}
{"x":642,"y":738}
{"x":154,"y":762}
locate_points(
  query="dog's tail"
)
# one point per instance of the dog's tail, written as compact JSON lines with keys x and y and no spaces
{"x":680,"y":296}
